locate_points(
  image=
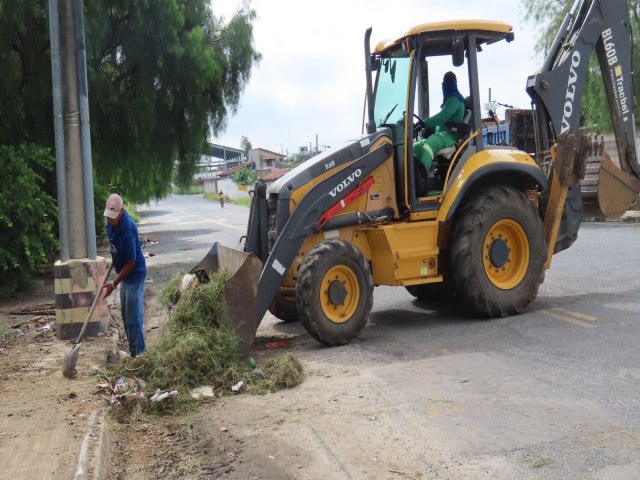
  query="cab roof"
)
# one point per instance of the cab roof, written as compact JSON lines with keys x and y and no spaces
{"x":487,"y":31}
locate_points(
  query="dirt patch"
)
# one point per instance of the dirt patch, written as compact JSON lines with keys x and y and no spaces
{"x":43,"y":416}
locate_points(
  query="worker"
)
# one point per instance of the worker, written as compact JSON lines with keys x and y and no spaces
{"x":452,"y":108}
{"x":221,"y":198}
{"x":128,"y":261}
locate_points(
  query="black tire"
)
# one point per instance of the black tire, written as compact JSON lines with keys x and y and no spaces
{"x":284,"y":309}
{"x":493,"y":277}
{"x":334,"y":310}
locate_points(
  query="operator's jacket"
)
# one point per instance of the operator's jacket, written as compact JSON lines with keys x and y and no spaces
{"x":425,"y":149}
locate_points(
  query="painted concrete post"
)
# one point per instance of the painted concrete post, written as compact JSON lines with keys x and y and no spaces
{"x":76,"y":285}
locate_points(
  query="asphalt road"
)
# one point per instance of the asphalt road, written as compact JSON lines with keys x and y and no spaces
{"x":555,"y":391}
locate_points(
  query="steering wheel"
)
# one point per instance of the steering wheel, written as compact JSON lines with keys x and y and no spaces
{"x":418,"y":126}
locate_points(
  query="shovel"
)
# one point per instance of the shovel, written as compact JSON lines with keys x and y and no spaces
{"x":71,"y":358}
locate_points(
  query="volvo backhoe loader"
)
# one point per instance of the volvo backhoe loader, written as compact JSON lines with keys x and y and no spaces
{"x":484,"y":221}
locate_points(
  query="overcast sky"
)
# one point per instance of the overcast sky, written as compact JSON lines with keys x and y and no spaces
{"x":311,"y":78}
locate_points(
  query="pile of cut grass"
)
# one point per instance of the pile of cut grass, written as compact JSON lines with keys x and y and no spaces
{"x":198,"y":348}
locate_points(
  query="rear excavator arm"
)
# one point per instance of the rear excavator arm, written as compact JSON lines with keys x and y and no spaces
{"x":556,"y":92}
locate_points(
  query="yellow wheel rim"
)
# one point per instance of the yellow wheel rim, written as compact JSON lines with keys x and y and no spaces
{"x":339,"y":294}
{"x":505,"y":254}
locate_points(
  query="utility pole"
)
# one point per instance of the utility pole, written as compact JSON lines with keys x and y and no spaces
{"x":79,"y":271}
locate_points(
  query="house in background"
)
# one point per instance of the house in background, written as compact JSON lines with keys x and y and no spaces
{"x":231,"y":189}
{"x":223,"y":182}
{"x":263,"y":159}
{"x":266,"y":164}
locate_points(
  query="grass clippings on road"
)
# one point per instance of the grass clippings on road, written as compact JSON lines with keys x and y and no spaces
{"x":198,"y":348}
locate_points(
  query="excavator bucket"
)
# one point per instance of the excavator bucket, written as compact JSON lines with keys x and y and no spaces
{"x":607,"y":191}
{"x":240,"y":292}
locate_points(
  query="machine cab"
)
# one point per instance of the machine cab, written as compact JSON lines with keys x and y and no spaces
{"x":407,"y":88}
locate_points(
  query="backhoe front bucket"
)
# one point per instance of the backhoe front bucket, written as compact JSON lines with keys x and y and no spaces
{"x":240,"y":292}
{"x":609,"y":192}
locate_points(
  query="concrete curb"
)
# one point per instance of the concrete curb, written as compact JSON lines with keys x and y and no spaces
{"x":93,"y":457}
{"x":101,"y":455}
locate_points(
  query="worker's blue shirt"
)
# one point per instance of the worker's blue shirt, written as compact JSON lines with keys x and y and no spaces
{"x":125,"y":248}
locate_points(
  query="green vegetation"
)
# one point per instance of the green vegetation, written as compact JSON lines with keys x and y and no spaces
{"x":151,"y":102}
{"x":245,"y":176}
{"x":189,"y":190}
{"x":198,"y":348}
{"x":28,"y":215}
{"x":245,"y":145}
{"x":243,"y":202}
{"x":8,"y":334}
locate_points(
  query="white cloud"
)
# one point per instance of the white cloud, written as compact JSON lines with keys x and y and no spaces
{"x":311,"y":79}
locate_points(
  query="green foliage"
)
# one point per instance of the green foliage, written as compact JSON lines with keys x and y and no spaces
{"x":163,"y":75}
{"x":26,"y":113}
{"x":198,"y":348}
{"x":171,"y":291}
{"x":245,"y":145}
{"x":245,"y":176}
{"x":279,"y":373}
{"x":548,"y":16}
{"x":242,"y":202}
{"x":189,"y":190}
{"x":28,"y":215}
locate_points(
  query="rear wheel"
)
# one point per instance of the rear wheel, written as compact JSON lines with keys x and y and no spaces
{"x":498,"y":251}
{"x":334,"y":292}
{"x":284,"y":308}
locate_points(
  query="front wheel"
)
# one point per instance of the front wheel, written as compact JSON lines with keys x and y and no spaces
{"x":335,"y":292}
{"x":498,"y":251}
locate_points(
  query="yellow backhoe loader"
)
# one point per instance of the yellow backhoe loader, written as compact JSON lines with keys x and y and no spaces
{"x":484,"y":221}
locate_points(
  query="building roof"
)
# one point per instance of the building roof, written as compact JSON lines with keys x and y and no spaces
{"x":233,"y":170}
{"x":273,"y":175}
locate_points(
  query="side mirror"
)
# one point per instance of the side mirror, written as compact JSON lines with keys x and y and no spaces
{"x":457,"y":54}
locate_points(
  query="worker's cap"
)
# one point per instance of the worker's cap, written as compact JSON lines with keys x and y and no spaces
{"x":114,"y":205}
{"x":449,"y":78}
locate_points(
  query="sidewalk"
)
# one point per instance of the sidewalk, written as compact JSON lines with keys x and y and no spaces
{"x":50,"y":426}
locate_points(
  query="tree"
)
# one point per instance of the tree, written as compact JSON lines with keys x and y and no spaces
{"x":27,"y":213}
{"x":163,"y":75}
{"x":548,"y":14}
{"x":245,"y":145}
{"x":245,"y":176}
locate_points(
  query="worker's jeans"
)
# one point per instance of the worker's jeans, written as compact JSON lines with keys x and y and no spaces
{"x":132,"y":308}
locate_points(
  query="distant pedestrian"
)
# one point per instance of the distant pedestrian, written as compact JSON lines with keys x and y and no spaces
{"x":221,"y":197}
{"x":128,"y":261}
